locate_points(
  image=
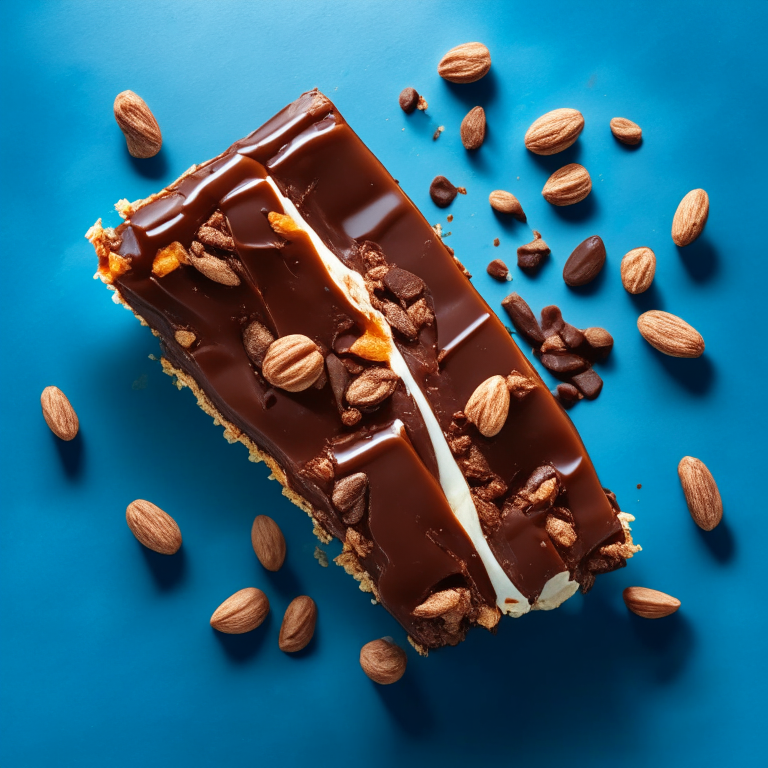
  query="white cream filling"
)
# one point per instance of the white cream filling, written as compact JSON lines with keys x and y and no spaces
{"x":509,"y":599}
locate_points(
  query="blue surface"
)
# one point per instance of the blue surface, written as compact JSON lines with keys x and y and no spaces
{"x":107,"y":657}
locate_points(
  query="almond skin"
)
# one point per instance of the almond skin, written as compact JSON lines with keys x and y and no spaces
{"x":298,"y":624}
{"x":465,"y":63}
{"x":268,"y":542}
{"x":154,"y":528}
{"x":670,"y":335}
{"x":241,"y":612}
{"x":488,"y":406}
{"x":650,"y":603}
{"x":637,"y":270}
{"x":473,"y":128}
{"x":554,"y":132}
{"x":626,"y":131}
{"x":383,"y":661}
{"x":701,"y":493}
{"x":59,"y":414}
{"x":293,"y":363}
{"x":690,"y":217}
{"x":138,"y":124}
{"x":568,"y":185}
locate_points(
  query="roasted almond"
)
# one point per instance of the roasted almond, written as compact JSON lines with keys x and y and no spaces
{"x":298,"y":625}
{"x":650,"y":603}
{"x":585,"y":263}
{"x":211,"y":266}
{"x":554,"y":132}
{"x":568,"y":185}
{"x":59,"y":414}
{"x":669,"y":334}
{"x":637,"y":270}
{"x":138,"y":124}
{"x":506,"y":202}
{"x":383,"y":661}
{"x":465,"y":63}
{"x":488,"y":406}
{"x":626,"y":131}
{"x":690,"y":217}
{"x":155,"y":529}
{"x":268,"y":542}
{"x":701,"y":493}
{"x":242,"y":612}
{"x":371,"y":387}
{"x":473,"y":128}
{"x":293,"y":363}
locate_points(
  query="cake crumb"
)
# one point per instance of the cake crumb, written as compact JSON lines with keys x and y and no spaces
{"x":321,"y":557}
{"x":461,"y":190}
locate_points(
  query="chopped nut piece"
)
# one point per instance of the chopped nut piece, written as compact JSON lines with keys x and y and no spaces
{"x":215,"y":238}
{"x":293,"y":363}
{"x":488,"y":616}
{"x":212,"y":267}
{"x":420,"y":314}
{"x":560,"y":532}
{"x":256,"y":340}
{"x":377,"y":273}
{"x":350,"y":417}
{"x":438,"y":604}
{"x":497,"y":269}
{"x":362,"y":546}
{"x":422,"y":105}
{"x":371,"y":387}
{"x":169,"y":258}
{"x":539,"y":492}
{"x":488,"y":512}
{"x":320,"y":470}
{"x":553,"y":343}
{"x":599,"y":339}
{"x":185,"y":338}
{"x":506,"y":202}
{"x":518,"y":385}
{"x":438,"y":131}
{"x":532,"y":254}
{"x":349,"y":497}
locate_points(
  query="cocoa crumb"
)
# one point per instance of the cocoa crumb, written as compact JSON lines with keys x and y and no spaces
{"x":449,"y":218}
{"x":498,"y":270}
{"x":496,"y":242}
{"x":442,"y":192}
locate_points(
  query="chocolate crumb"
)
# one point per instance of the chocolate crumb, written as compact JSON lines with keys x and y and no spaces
{"x":639,"y":486}
{"x":409,"y":98}
{"x":461,"y":190}
{"x":442,"y":192}
{"x":496,"y":242}
{"x":449,"y":218}
{"x":498,"y":270}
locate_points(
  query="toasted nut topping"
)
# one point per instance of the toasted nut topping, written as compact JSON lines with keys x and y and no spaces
{"x":283,"y":225}
{"x":560,"y":531}
{"x":59,"y":414}
{"x":349,"y":497}
{"x":293,"y":363}
{"x":383,"y":662}
{"x":169,"y":258}
{"x":701,"y":493}
{"x":298,"y":625}
{"x":518,"y":385}
{"x":371,"y":387}
{"x":212,"y":267}
{"x":438,"y":604}
{"x":138,"y":124}
{"x":488,"y":406}
{"x":185,"y":338}
{"x":257,"y":339}
{"x":241,"y":612}
{"x":268,"y":542}
{"x":154,"y":528}
{"x":531,"y":255}
{"x":650,"y":603}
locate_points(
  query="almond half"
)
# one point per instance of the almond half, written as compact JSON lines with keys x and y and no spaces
{"x":670,"y":335}
{"x":59,"y":414}
{"x":701,"y":493}
{"x":650,"y":603}
{"x":488,"y":406}
{"x":241,"y":612}
{"x":155,"y":529}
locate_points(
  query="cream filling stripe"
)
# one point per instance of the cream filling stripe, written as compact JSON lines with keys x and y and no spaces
{"x":509,"y":599}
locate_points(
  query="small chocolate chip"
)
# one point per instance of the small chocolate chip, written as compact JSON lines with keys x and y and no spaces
{"x":588,"y":383}
{"x":409,"y":98}
{"x":498,"y":270}
{"x":405,"y":285}
{"x":442,"y":192}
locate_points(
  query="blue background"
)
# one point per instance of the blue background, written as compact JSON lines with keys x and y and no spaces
{"x":107,"y":657}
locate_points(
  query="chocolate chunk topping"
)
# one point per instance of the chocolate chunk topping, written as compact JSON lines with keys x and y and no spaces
{"x":523,"y":318}
{"x":588,"y":383}
{"x":564,"y":363}
{"x":572,"y":336}
{"x":339,"y":378}
{"x":349,"y":497}
{"x":398,"y":318}
{"x":405,"y":285}
{"x":539,"y":491}
{"x":567,"y":394}
{"x":498,"y":270}
{"x":409,"y":98}
{"x":212,"y":267}
{"x":256,"y":339}
{"x":372,"y":387}
{"x":442,"y":192}
{"x":532,"y":254}
{"x":551,"y":320}
{"x":420,"y":314}
{"x":585,"y":262}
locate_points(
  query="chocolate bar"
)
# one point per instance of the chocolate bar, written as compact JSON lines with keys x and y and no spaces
{"x":316,"y":315}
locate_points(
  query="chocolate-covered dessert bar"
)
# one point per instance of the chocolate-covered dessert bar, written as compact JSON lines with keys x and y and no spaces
{"x":316,"y":315}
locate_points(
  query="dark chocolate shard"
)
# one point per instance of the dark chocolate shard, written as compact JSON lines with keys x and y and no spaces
{"x":588,"y":383}
{"x":564,"y":363}
{"x":405,"y":285}
{"x":523,"y":318}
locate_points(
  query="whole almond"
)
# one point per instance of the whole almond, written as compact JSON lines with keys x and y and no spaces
{"x":268,"y":542}
{"x":136,"y":121}
{"x":488,"y":406}
{"x":554,"y":132}
{"x":669,"y":334}
{"x":383,"y":661}
{"x":626,"y":131}
{"x":293,"y":363}
{"x":465,"y":63}
{"x":506,"y":202}
{"x":298,"y":624}
{"x":568,"y":185}
{"x":473,"y":128}
{"x":155,"y":529}
{"x":701,"y":493}
{"x":650,"y":603}
{"x":637,"y":270}
{"x":690,"y":217}
{"x":242,"y":612}
{"x":59,"y":414}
